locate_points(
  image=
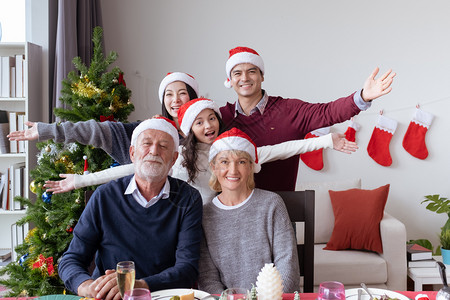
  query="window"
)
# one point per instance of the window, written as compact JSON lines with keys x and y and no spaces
{"x":12,"y":20}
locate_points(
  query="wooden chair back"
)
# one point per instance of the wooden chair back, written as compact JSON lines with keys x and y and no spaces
{"x":300,"y":206}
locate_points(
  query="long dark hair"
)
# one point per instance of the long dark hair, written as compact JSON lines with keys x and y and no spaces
{"x":192,"y":95}
{"x":190,"y":154}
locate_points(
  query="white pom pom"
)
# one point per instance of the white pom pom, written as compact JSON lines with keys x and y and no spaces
{"x":269,"y":284}
{"x":227,"y":83}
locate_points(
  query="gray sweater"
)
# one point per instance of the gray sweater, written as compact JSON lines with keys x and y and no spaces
{"x":238,"y":242}
{"x":113,"y":137}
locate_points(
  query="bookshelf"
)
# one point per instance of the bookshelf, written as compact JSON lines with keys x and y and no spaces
{"x":31,"y":104}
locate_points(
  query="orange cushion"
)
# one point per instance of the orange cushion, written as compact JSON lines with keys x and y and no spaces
{"x":357,"y":214}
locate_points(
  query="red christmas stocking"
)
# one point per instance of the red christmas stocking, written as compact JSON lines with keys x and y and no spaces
{"x":414,"y":139}
{"x":378,"y":147}
{"x":314,"y":159}
{"x":350,"y":133}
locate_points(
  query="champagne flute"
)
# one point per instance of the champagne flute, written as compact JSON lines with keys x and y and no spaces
{"x":235,"y":294}
{"x":331,"y":290}
{"x":125,"y":276}
{"x":137,"y":294}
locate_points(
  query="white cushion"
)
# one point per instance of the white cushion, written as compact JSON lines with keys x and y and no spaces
{"x":351,"y":267}
{"x":324,"y":216}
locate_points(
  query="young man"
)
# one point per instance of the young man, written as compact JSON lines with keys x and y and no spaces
{"x":270,"y":120}
{"x":149,"y":218}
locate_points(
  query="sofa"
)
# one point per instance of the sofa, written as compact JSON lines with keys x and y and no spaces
{"x":351,"y":267}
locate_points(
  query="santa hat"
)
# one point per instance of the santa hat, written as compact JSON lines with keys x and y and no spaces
{"x":240,"y":55}
{"x":177,"y":76}
{"x":189,"y":111}
{"x":235,"y":139}
{"x":158,"y":123}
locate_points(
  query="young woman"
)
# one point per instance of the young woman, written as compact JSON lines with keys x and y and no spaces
{"x":200,"y":122}
{"x":113,"y":137}
{"x":244,"y":227}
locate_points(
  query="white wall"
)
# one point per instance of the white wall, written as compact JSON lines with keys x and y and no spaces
{"x":313,"y":50}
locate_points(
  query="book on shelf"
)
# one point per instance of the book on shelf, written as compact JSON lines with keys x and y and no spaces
{"x":12,"y":82}
{"x":425,"y":263}
{"x":417,"y":252}
{"x":13,"y":126}
{"x":19,"y":75}
{"x":16,"y":172}
{"x":21,"y":126}
{"x":3,"y":187}
{"x":8,"y":62}
{"x":4,"y":130}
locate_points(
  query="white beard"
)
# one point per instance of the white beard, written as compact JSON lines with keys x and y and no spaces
{"x":154,"y":170}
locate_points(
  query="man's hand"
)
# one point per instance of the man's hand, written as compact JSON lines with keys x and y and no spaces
{"x":105,"y":287}
{"x":374,"y":88}
{"x":29,"y":134}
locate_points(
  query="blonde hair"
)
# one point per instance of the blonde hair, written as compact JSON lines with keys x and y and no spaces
{"x":214,"y":182}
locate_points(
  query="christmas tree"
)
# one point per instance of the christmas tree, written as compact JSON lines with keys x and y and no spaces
{"x":92,"y":93}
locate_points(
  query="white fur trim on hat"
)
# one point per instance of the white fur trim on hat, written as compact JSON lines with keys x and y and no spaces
{"x":235,"y":143}
{"x":177,"y":76}
{"x":232,"y":143}
{"x":242,"y":55}
{"x":161,"y":124}
{"x":194,"y":107}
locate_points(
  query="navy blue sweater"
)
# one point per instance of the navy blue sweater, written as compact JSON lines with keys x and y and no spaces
{"x":163,"y":240}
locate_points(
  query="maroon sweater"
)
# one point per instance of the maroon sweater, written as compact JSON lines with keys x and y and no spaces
{"x":284,"y":120}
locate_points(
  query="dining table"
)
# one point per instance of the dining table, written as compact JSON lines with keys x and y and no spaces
{"x":303,"y":296}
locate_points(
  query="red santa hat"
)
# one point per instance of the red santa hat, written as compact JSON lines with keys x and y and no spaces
{"x":177,"y":76}
{"x":189,"y":111}
{"x":235,"y":139}
{"x":240,"y":55}
{"x":158,"y":123}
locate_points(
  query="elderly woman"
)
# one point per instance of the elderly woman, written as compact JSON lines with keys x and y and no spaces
{"x":244,"y":228}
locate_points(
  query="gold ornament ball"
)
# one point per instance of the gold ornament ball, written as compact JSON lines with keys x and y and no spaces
{"x":33,"y":187}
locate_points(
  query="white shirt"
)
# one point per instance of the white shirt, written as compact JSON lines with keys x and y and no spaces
{"x":133,"y":189}
{"x":219,"y":204}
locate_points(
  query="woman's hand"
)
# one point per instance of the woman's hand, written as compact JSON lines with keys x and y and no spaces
{"x":29,"y":134}
{"x":61,"y":186}
{"x":340,"y":143}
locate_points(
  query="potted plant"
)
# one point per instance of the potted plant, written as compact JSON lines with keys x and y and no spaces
{"x":444,"y":238}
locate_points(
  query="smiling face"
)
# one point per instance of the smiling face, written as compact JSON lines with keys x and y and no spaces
{"x":233,"y":170}
{"x":246,"y":80}
{"x":154,"y":155}
{"x":175,"y":95}
{"x":206,"y":126}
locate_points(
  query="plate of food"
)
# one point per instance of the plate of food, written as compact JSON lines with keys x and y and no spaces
{"x":378,"y":294}
{"x":183,"y":294}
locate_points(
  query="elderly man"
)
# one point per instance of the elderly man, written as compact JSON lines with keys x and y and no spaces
{"x":149,"y":218}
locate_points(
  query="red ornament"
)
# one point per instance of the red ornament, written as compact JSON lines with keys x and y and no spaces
{"x":69,"y":229}
{"x":108,"y":118}
{"x":40,"y":262}
{"x":121,"y":79}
